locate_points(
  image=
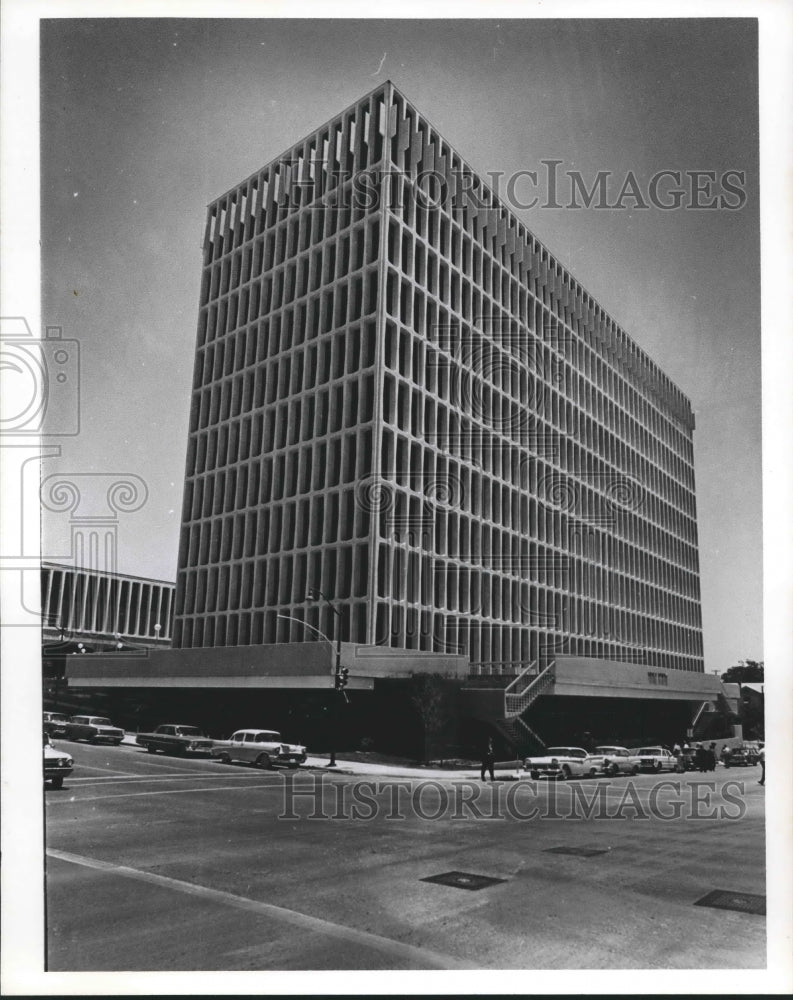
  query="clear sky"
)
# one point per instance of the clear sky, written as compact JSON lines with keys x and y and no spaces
{"x":145,"y":122}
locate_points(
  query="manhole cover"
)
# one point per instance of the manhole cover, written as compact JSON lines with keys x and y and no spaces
{"x":579,"y":852}
{"x":463,"y":880}
{"x":744,"y":902}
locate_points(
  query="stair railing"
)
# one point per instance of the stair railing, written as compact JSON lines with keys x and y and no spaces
{"x":700,"y":710}
{"x":515,"y":704}
{"x":530,"y":671}
{"x":530,"y":731}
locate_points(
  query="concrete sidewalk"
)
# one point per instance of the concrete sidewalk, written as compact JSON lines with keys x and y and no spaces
{"x":503,"y":769}
{"x":390,"y":770}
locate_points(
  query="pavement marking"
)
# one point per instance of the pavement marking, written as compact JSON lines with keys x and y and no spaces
{"x":168,"y":791}
{"x":396,"y":949}
{"x":93,"y":767}
{"x":151,"y":761}
{"x":111,"y":779}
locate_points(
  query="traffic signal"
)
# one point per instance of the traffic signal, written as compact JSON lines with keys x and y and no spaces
{"x":341,"y":678}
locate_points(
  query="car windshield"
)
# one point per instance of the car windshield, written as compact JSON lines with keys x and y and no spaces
{"x":649,"y":751}
{"x":566,"y":752}
{"x":188,"y":731}
{"x":101,"y":722}
{"x":607,"y":749}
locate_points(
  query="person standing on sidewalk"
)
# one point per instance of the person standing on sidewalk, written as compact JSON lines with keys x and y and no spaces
{"x":762,"y":765}
{"x":488,"y":760}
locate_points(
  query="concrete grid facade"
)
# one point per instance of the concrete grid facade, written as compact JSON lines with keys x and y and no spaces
{"x":401,"y":398}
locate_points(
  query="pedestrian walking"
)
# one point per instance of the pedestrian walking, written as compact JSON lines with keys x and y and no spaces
{"x":488,"y":760}
{"x":762,"y":765}
{"x":701,"y":758}
{"x":711,"y":757}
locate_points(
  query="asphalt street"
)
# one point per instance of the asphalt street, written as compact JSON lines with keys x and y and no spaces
{"x":159,"y":863}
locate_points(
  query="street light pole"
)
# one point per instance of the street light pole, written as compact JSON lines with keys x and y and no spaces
{"x":291,"y":618}
{"x":312,"y":594}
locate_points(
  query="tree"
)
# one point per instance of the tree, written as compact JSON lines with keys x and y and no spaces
{"x":432,"y":698}
{"x":746,"y":672}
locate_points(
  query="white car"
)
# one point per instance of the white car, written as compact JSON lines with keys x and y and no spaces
{"x":57,"y":764}
{"x":262,"y":747}
{"x":615,"y":760}
{"x":657,"y":759}
{"x":561,"y":762}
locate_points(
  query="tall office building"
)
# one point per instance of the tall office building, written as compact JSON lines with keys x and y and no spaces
{"x":401,"y":398}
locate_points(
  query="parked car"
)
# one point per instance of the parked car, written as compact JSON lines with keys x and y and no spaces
{"x":657,"y":759}
{"x":561,"y":762}
{"x":262,"y":747}
{"x":55,"y":723}
{"x":615,"y":760}
{"x":57,"y":764}
{"x":94,"y":728}
{"x":687,"y":759}
{"x":739,"y":757}
{"x":177,"y":739}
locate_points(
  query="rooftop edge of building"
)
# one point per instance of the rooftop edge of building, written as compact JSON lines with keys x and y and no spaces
{"x":526,"y":234}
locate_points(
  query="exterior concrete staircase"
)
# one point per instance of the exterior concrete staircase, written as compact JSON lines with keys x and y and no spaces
{"x":713,"y":719}
{"x":527,"y":687}
{"x":503,"y":705}
{"x":519,"y":695}
{"x":520,"y":736}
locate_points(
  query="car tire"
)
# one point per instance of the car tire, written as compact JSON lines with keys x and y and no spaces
{"x":613,"y":771}
{"x":566,"y":773}
{"x":116,"y":743}
{"x":535,"y":775}
{"x":264,"y":762}
{"x":635,"y":769}
{"x":658,"y":767}
{"x":593,"y":772}
{"x":151,"y":749}
{"x":224,"y":758}
{"x":57,"y":782}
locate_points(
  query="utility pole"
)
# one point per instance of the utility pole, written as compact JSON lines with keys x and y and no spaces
{"x":340,"y":673}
